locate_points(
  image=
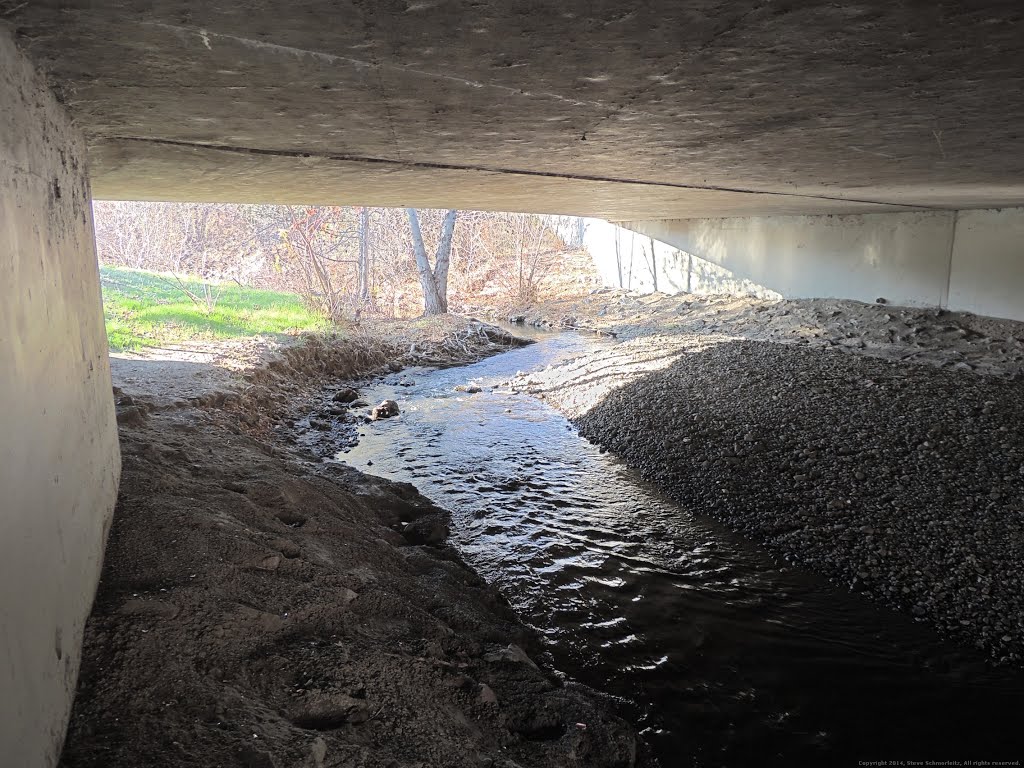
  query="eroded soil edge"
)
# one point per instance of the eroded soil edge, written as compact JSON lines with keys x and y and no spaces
{"x":257,"y":610}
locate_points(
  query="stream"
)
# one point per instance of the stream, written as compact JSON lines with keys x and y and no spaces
{"x":719,"y":654}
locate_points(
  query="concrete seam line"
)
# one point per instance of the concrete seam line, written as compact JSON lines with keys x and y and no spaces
{"x":944,"y":298}
{"x":508,"y":171}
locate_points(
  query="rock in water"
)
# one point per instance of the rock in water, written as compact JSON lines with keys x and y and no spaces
{"x":347,"y":395}
{"x":385,"y":410}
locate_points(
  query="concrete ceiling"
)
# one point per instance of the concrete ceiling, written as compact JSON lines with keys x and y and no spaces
{"x":665,"y":109}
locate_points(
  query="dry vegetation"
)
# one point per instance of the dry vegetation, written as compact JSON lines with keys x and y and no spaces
{"x":344,"y":262}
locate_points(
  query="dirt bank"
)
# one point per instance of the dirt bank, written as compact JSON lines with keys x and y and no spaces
{"x":259,"y":611}
{"x":262,"y":384}
{"x":901,"y":480}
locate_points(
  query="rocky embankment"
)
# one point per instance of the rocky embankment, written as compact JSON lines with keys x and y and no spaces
{"x":263,"y":612}
{"x":903,"y":481}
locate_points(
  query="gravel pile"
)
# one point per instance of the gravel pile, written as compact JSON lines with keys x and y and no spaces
{"x":905,"y":482}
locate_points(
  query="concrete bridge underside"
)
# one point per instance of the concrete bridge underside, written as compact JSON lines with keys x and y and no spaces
{"x":833,"y":149}
{"x":659,"y":110}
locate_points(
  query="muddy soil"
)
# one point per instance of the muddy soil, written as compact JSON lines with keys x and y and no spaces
{"x":259,"y":611}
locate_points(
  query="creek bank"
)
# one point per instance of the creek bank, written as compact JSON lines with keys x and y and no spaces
{"x":957,"y":340}
{"x":260,"y":611}
{"x":272,"y":389}
{"x":901,"y":481}
{"x":277,"y":394}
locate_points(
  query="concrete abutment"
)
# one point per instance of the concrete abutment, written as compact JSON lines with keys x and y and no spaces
{"x":968,"y":260}
{"x":59,"y":459}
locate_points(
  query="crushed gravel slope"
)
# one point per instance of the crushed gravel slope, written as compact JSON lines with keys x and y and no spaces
{"x":904,"y":481}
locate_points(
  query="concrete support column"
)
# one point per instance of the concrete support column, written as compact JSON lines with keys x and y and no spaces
{"x":59,"y":460}
{"x":962,"y":260}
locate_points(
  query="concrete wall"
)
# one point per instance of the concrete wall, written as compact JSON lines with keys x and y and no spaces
{"x":59,"y":461}
{"x":987,"y":269}
{"x":963,"y":260}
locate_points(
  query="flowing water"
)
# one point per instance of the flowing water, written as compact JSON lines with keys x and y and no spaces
{"x":719,"y":654}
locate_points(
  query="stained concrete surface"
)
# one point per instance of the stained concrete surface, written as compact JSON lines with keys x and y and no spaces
{"x":961,"y":260}
{"x":660,"y":110}
{"x":59,"y":460}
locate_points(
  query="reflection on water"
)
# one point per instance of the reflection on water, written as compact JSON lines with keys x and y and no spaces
{"x":723,"y":657}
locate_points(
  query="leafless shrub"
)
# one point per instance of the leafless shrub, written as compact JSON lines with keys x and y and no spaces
{"x":344,"y":261}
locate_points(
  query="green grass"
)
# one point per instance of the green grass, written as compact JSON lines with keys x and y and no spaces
{"x":145,"y":309}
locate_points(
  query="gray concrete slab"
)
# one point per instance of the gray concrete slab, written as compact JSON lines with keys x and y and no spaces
{"x":792,"y":107}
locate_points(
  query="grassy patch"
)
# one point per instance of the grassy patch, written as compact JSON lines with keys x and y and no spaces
{"x":144,"y":309}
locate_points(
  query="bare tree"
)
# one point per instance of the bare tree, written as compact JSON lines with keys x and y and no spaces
{"x":434,"y":281}
{"x":314,"y":240}
{"x":343,"y":261}
{"x":364,"y":255}
{"x":526,"y":249}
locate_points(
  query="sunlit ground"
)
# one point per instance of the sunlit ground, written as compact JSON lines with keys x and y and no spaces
{"x":147,"y":309}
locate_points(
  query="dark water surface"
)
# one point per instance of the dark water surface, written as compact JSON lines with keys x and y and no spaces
{"x":722,"y":656}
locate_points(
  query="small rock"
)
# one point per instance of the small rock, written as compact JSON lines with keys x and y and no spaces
{"x":268,"y":563}
{"x":487,"y":695}
{"x":429,"y":529}
{"x":347,"y":395}
{"x":132,"y":416}
{"x":287,"y":548}
{"x":386,"y":410}
{"x":318,"y":751}
{"x":511,"y":653}
{"x":322,"y":712}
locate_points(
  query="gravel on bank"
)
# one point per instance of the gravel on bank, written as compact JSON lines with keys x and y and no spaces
{"x":905,"y":482}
